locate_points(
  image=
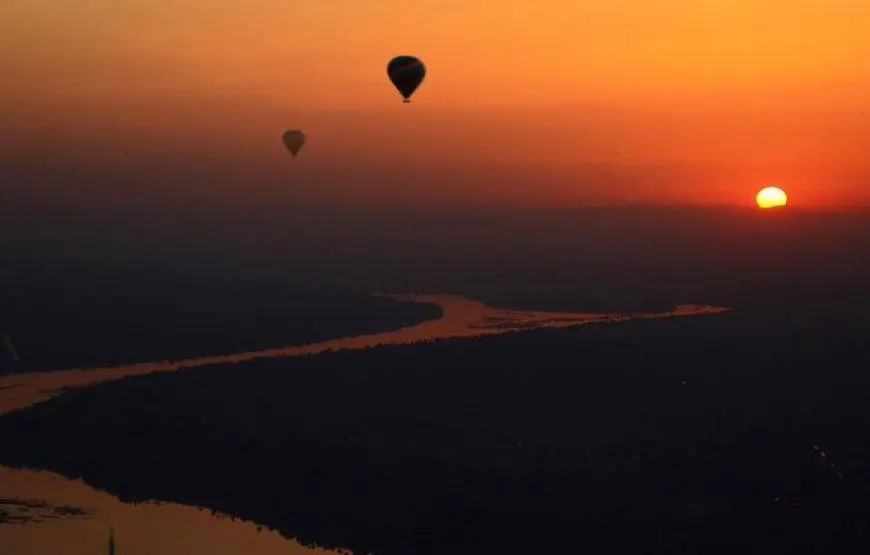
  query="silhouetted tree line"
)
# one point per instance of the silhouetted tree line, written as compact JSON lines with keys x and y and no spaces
{"x":693,"y":435}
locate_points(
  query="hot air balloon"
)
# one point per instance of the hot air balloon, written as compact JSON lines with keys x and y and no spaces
{"x":406,"y":73}
{"x":293,"y":140}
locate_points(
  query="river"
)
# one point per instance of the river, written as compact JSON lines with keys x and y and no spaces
{"x":42,"y":513}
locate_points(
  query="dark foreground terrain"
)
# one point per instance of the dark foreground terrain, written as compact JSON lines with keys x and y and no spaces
{"x":744,"y":432}
{"x":136,"y":283}
{"x":105,"y":319}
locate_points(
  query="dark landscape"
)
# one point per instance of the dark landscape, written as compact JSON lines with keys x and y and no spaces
{"x":103,"y":320}
{"x":592,"y":259}
{"x":155,"y":288}
{"x":709,"y":434}
{"x":713,"y":433}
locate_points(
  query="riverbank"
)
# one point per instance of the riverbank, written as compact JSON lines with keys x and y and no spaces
{"x":148,"y":527}
{"x":453,"y":316}
{"x":628,"y":434}
{"x":83,"y":325}
{"x":140,"y":528}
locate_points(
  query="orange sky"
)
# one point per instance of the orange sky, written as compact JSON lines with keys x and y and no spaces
{"x":544,"y":101}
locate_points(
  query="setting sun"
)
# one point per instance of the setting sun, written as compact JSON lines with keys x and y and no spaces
{"x":771,"y":197}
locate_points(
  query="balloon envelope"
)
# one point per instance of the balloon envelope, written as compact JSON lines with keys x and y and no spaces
{"x":406,"y":73}
{"x":293,"y":139}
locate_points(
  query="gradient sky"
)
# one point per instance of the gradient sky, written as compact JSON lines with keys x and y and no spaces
{"x":534,"y":102}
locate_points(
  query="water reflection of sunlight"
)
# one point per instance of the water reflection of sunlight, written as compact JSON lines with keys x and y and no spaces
{"x":461,"y":318}
{"x":143,"y":529}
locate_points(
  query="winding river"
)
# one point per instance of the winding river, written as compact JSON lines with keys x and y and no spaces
{"x":42,"y":513}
